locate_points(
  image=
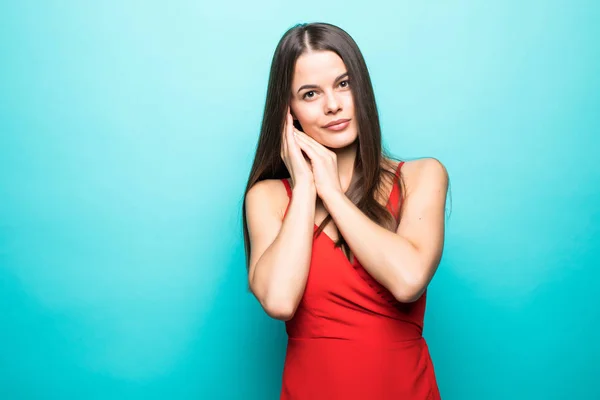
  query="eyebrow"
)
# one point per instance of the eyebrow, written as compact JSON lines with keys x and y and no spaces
{"x":316,"y":87}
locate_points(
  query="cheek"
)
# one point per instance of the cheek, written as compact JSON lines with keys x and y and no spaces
{"x":308,"y":114}
{"x":349,"y":102}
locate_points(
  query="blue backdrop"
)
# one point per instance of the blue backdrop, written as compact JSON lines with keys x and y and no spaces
{"x":126,"y":136}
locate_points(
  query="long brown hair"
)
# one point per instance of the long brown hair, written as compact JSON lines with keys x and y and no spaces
{"x":370,"y":164}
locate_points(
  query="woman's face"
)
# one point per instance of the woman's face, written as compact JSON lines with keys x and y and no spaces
{"x":321,"y":95}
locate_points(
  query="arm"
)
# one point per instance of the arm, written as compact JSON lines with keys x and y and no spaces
{"x":406,"y":260}
{"x":280,"y":251}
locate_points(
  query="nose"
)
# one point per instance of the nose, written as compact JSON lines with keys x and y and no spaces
{"x":332,"y":104}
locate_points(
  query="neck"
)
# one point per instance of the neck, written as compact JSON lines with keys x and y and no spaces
{"x":345,"y":163}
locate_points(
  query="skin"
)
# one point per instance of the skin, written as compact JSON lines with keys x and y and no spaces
{"x":324,"y":100}
{"x":403,"y":261}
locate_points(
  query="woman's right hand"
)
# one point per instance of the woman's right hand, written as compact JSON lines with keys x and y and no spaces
{"x":297,"y":165}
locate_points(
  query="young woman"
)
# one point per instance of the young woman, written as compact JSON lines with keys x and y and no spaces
{"x":341,"y":239}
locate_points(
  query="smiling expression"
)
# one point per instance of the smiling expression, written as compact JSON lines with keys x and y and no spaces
{"x":321,"y":95}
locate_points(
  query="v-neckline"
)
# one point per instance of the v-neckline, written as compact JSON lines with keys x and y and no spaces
{"x":335,"y":248}
{"x":332,"y":242}
{"x":327,"y":237}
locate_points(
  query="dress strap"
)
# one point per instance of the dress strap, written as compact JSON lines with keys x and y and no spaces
{"x":395,"y":194}
{"x":395,"y":188}
{"x":398,"y":169}
{"x":287,"y":187}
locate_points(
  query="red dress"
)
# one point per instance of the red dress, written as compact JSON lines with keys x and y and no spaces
{"x":350,"y":338}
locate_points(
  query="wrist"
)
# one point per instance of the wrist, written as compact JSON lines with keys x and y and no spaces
{"x":332,"y":197}
{"x":304,"y":188}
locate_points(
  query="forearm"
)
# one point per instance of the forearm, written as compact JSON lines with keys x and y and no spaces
{"x":280,"y":275}
{"x":389,"y":258}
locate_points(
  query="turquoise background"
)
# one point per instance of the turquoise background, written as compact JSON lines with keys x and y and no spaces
{"x":126,"y":136}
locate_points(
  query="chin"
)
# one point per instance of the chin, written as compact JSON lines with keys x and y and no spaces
{"x":339,"y":140}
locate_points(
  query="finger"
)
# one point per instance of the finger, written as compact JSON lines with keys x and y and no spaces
{"x":317,"y":148}
{"x":293,"y":145}
{"x":321,"y":150}
{"x":286,"y":134}
{"x":283,"y":138}
{"x":290,"y":123}
{"x":308,"y":139}
{"x":310,"y":152}
{"x":296,"y":149}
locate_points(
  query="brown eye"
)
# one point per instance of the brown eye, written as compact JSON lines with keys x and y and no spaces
{"x":345,"y":83}
{"x":306,"y":95}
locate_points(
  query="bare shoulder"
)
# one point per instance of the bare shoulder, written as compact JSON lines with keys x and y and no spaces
{"x":267,"y":196}
{"x":427,"y":171}
{"x":265,"y":205}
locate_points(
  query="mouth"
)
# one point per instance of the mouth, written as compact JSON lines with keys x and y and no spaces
{"x":338,"y":125}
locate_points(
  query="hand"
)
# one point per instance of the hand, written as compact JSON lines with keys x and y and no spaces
{"x":299,"y":168}
{"x":324,"y":165}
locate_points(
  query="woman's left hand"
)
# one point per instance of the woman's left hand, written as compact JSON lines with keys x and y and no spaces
{"x":324,"y":165}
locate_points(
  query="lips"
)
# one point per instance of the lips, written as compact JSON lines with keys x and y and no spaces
{"x":336,"y":122}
